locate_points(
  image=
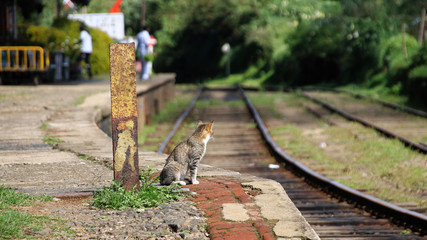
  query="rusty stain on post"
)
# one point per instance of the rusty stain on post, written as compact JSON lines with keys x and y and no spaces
{"x":124,"y":114}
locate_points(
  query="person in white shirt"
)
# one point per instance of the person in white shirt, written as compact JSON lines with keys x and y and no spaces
{"x":86,"y":47}
{"x":143,"y":39}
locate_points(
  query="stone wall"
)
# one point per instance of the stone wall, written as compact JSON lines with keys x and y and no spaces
{"x":153,"y":95}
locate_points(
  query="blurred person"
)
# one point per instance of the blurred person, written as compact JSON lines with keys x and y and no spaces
{"x":143,"y":39}
{"x":153,"y":41}
{"x":86,"y":48}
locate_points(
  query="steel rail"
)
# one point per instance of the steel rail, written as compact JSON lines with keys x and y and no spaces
{"x":385,"y":132}
{"x":180,"y":120}
{"x":377,"y":207}
{"x":394,"y":106}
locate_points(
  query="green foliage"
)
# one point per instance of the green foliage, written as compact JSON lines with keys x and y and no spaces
{"x":8,"y":198}
{"x":148,"y":195}
{"x":14,"y":224}
{"x":100,"y":6}
{"x":44,"y":126}
{"x":55,"y":39}
{"x":415,"y":81}
{"x":299,"y":42}
{"x":418,"y":72}
{"x":64,"y":35}
{"x":99,"y":59}
{"x":132,"y":10}
{"x":254,"y":77}
{"x":149,"y":57}
{"x":332,"y":49}
{"x":79,"y":100}
{"x":193,"y":32}
{"x":51,"y":140}
{"x":391,"y":54}
{"x":17,"y":225}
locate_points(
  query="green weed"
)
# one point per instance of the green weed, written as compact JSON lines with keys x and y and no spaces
{"x":84,"y":157}
{"x":253,"y":77}
{"x":79,"y":100}
{"x":17,"y":225}
{"x":44,"y":126}
{"x":148,"y":195}
{"x":51,"y":140}
{"x":8,"y":198}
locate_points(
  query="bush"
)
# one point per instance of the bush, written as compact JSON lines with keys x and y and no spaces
{"x":391,"y":54}
{"x":64,"y":35}
{"x":415,"y":86}
{"x":54,"y":39}
{"x":418,"y":72}
{"x":100,"y":58}
{"x":316,"y":47}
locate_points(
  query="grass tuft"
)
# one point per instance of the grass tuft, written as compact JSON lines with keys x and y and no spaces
{"x":148,"y":195}
{"x":17,"y":225}
{"x":53,"y":141}
{"x":8,"y":198}
{"x":79,"y":101}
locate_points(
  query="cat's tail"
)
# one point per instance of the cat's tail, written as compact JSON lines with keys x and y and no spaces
{"x":164,"y":179}
{"x":168,"y":178}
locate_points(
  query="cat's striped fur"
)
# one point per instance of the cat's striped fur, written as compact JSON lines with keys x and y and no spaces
{"x":186,"y":156}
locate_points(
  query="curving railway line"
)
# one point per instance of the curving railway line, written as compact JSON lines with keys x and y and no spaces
{"x":242,"y":143}
{"x":371,"y":115}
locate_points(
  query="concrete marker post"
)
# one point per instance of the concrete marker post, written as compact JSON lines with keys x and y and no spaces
{"x":124,"y":114}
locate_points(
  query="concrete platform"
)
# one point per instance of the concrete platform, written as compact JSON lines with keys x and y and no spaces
{"x":237,"y":206}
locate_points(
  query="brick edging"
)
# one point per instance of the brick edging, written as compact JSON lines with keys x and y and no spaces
{"x":212,"y":193}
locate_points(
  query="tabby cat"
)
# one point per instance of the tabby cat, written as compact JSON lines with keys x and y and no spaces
{"x":186,"y":156}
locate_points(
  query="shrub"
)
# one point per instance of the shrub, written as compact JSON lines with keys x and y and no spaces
{"x":100,"y":58}
{"x":54,"y":39}
{"x":315,"y":50}
{"x":64,"y":35}
{"x":391,"y":54}
{"x":415,"y":86}
{"x":418,"y":72}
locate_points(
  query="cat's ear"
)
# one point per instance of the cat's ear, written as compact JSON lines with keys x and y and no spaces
{"x":210,"y":125}
{"x":199,"y":123}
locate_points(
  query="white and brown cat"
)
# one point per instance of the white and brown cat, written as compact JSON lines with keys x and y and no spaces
{"x":186,"y":156}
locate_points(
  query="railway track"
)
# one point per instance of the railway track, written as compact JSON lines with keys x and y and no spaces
{"x":410,"y":135}
{"x":329,"y":207}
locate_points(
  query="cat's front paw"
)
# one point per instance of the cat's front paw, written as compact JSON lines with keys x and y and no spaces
{"x":195,"y":182}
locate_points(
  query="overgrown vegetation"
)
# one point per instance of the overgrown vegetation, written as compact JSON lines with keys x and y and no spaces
{"x":356,"y":156}
{"x":9,"y":198}
{"x":18,"y":225}
{"x":148,"y":195}
{"x":63,"y":35}
{"x":278,"y":44}
{"x":274,"y":43}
